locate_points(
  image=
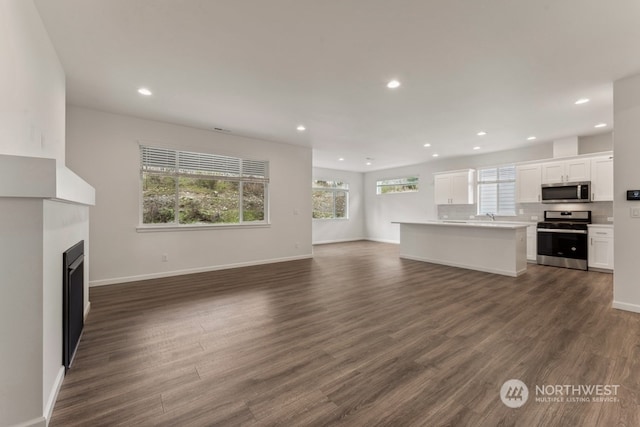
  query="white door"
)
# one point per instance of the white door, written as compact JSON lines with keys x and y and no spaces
{"x":553,"y":172}
{"x":602,"y":179}
{"x":528,"y":180}
{"x":460,"y":188}
{"x":442,"y":189}
{"x":577,"y":170}
{"x":601,"y":253}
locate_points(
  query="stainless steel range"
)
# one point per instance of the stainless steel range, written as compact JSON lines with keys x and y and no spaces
{"x":562,"y":239}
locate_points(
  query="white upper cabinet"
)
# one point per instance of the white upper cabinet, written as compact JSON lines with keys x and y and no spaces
{"x":575,"y":170}
{"x":454,"y":188}
{"x":602,"y":179}
{"x":528,"y":181}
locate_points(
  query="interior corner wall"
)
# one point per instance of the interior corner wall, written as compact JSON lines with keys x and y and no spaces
{"x":626,"y":113}
{"x":103,"y":148}
{"x":32,"y":84}
{"x":342,"y":230}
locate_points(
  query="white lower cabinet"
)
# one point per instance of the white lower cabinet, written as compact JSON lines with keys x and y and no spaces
{"x":601,"y":247}
{"x":532,"y":243}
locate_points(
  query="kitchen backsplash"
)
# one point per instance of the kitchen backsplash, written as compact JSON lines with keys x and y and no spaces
{"x":600,"y":211}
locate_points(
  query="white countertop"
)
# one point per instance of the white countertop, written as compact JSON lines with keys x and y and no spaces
{"x":601,"y":225}
{"x":462,"y":223}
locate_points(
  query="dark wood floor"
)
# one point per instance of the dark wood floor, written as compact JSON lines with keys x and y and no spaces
{"x":355,"y":336}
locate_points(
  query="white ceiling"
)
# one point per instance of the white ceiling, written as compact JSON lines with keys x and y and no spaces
{"x":512,"y":68}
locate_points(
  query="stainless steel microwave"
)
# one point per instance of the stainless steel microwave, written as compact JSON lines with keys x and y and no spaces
{"x":567,"y":192}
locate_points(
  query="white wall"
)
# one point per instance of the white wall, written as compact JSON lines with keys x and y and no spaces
{"x":626,"y":113}
{"x":103,"y":148}
{"x":597,"y":143}
{"x":32,"y":84}
{"x":382,"y":209}
{"x":341,"y":230}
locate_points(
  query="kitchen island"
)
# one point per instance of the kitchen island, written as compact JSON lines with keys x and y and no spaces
{"x":493,"y":247}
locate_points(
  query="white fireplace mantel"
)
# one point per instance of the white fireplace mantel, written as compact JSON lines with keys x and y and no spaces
{"x":37,"y":177}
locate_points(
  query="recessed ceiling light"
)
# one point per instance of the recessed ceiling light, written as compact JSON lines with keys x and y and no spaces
{"x":427,"y":145}
{"x":368,"y":163}
{"x":393,"y":84}
{"x":582,"y":101}
{"x":481,"y":133}
{"x":341,"y":159}
{"x":435,"y":154}
{"x":144,"y":91}
{"x":600,"y":125}
{"x":531,"y":138}
{"x":476,"y":148}
{"x":301,"y":128}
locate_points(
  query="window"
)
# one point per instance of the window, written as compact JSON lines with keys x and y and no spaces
{"x":330,"y":199}
{"x":397,"y":185}
{"x":184,"y":188}
{"x":497,"y":191}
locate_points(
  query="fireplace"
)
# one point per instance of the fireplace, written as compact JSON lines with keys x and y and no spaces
{"x":72,"y":301}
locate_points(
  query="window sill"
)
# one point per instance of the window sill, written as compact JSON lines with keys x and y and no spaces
{"x":331,"y":219}
{"x":155,"y":228}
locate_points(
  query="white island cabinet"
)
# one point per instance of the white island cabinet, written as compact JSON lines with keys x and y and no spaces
{"x":493,"y":247}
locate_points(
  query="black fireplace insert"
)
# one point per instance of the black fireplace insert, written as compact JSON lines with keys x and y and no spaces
{"x":72,"y":301}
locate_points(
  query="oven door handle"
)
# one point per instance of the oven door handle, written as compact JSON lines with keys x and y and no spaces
{"x":555,"y":230}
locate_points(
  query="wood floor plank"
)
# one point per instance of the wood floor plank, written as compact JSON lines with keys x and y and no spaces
{"x":355,"y":336}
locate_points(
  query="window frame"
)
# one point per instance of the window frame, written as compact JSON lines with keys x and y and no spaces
{"x":497,"y":182}
{"x":177,"y":171}
{"x":399,"y":182}
{"x":339,"y":186}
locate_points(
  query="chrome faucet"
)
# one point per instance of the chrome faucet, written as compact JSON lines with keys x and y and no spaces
{"x":491,"y":215}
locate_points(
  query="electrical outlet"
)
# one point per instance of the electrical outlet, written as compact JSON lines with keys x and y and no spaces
{"x":165,"y":257}
{"x":635,"y":212}
{"x":534,"y":217}
{"x":610,"y":218}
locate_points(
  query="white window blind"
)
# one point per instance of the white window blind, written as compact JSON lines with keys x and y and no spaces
{"x":164,"y":160}
{"x":497,"y":191}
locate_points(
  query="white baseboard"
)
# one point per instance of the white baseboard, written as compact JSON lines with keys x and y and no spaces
{"x":53,"y":396}
{"x":36,"y":422}
{"x":326,"y":242}
{"x":116,"y":280}
{"x":371,"y":239}
{"x":467,"y":267}
{"x":87,"y":309}
{"x":625,"y":306}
